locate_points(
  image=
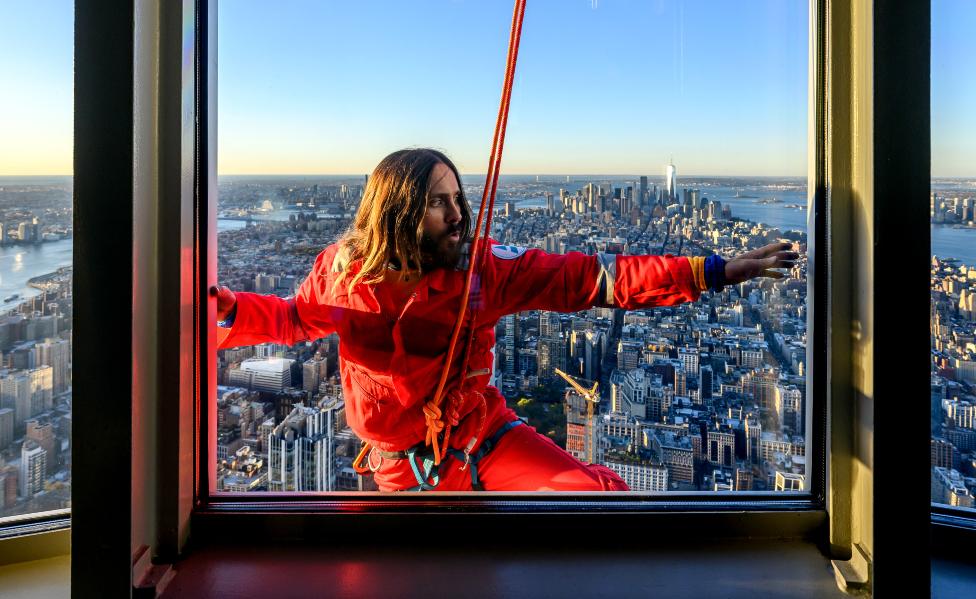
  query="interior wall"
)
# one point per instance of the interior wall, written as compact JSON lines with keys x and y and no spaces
{"x":145,"y":274}
{"x":850,"y":165}
{"x":841,"y":188}
{"x":862,"y":246}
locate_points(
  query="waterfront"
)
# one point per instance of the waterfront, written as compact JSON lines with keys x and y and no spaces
{"x":20,"y":263}
{"x":787,"y":213}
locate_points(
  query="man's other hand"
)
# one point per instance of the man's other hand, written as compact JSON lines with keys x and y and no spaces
{"x":759,"y":262}
{"x":226,"y":300}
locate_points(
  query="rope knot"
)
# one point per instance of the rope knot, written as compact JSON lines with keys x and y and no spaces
{"x":432,"y":414}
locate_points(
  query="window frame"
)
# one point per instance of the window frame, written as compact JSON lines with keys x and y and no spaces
{"x":103,"y":285}
{"x":809,"y":506}
{"x":105,"y":524}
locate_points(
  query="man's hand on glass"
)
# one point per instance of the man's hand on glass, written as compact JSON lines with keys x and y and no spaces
{"x":760,"y":262}
{"x":226,"y":301}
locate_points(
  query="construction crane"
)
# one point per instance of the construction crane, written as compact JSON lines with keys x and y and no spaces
{"x":591,"y":397}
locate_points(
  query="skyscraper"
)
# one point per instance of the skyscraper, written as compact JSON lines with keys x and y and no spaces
{"x":43,"y":434}
{"x":6,"y":427}
{"x":313,"y":371}
{"x":9,"y":477}
{"x":689,"y":358}
{"x":593,"y":345}
{"x":33,"y":466}
{"x":582,"y":432}
{"x":549,"y":324}
{"x":510,"y":339}
{"x":628,"y":354}
{"x":549,"y":344}
{"x":15,"y":393}
{"x":671,"y":182}
{"x":705,"y":379}
{"x":55,"y":353}
{"x":301,"y":450}
{"x":680,"y":382}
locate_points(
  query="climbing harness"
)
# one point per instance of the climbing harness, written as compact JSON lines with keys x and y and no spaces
{"x":486,"y":447}
{"x":433,"y":413}
{"x":421,"y":459}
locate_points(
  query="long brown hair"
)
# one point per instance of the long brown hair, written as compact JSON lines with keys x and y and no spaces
{"x":388,"y":227}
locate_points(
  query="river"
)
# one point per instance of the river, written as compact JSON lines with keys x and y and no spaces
{"x":18,"y":263}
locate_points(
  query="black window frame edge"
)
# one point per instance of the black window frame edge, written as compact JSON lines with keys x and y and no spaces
{"x":219,"y":516}
{"x":133,"y":203}
{"x":104,"y":153}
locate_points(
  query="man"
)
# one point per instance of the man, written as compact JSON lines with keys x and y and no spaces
{"x":391,"y":289}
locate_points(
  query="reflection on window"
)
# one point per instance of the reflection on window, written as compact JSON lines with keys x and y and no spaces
{"x":703,"y":396}
{"x":953,"y":211}
{"x":35,"y":257}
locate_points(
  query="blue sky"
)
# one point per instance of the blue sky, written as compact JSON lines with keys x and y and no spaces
{"x":604,"y":86}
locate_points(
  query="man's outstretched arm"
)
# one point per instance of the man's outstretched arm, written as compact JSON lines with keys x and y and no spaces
{"x":520,"y":279}
{"x":252,"y":318}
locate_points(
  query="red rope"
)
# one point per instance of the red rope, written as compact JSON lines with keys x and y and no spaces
{"x":432,"y":409}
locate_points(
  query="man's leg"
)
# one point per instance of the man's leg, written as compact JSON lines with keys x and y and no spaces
{"x":524,"y":460}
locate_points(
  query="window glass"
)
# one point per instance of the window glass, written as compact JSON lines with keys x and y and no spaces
{"x":953,"y":202}
{"x":636,"y":128}
{"x":36,"y":54}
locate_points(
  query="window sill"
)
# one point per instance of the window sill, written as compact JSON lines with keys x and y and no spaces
{"x":35,"y":538}
{"x":293,"y":521}
{"x":676,"y":566}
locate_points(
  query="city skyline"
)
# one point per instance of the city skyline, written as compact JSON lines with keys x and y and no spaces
{"x":585,"y":74}
{"x":665,"y":374}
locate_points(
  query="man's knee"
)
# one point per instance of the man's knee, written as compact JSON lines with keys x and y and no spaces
{"x":609,"y":480}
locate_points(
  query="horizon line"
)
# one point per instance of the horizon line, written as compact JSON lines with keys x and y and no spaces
{"x":484,"y":174}
{"x":71,"y":175}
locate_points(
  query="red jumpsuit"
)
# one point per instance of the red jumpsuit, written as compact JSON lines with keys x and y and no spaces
{"x":390,"y":363}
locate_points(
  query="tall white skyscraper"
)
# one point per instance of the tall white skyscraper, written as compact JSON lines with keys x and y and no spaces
{"x":670,"y":181}
{"x":301,"y":450}
{"x":33,"y":465}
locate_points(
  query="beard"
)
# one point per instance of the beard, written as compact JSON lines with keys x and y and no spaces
{"x":441,"y":252}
